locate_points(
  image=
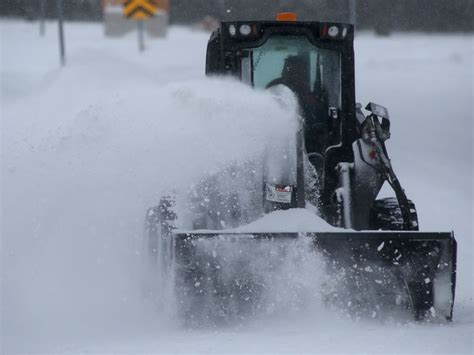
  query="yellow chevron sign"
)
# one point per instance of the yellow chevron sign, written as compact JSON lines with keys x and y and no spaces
{"x":139,"y":9}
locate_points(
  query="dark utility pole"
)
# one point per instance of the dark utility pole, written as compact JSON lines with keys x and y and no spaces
{"x":61,"y":32}
{"x":42,"y":14}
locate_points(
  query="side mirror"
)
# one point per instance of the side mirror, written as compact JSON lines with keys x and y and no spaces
{"x":378,"y":110}
{"x":382,"y":112}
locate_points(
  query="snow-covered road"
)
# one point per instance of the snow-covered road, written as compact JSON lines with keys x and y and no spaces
{"x":87,"y":148}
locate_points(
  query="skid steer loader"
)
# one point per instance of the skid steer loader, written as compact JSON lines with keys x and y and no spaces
{"x":377,"y":254}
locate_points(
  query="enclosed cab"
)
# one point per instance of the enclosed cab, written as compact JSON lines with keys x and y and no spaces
{"x":316,"y":61}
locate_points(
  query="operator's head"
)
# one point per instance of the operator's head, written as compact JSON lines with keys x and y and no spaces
{"x":294,"y":72}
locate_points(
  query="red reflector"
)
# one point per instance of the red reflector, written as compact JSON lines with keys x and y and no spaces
{"x":324,"y":30}
{"x":254,"y":30}
{"x":287,"y":16}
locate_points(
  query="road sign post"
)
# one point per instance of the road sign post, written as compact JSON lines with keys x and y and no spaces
{"x":139,"y":10}
{"x":141,"y":35}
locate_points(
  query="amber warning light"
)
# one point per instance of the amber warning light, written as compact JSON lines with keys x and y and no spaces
{"x":287,"y":16}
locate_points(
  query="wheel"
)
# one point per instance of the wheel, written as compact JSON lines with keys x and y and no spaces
{"x":159,"y":222}
{"x":387,"y":215}
{"x":152,"y":233}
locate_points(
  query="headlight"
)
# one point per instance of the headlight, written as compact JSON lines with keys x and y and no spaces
{"x":245,"y":30}
{"x":232,"y":30}
{"x":333,"y":31}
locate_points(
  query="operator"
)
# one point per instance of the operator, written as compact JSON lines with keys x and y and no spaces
{"x":295,"y":76}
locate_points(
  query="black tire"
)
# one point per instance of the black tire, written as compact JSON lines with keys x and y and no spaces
{"x":152,"y":233}
{"x":387,"y":215}
{"x":159,"y":222}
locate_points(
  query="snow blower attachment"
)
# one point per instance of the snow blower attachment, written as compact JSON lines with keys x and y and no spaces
{"x":374,"y":254}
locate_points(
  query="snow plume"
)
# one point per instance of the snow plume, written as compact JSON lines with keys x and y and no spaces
{"x":238,"y":280}
{"x":78,"y":177}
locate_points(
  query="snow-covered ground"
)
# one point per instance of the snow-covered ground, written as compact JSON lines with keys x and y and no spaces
{"x":87,"y":148}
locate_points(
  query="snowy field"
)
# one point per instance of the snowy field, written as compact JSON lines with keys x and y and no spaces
{"x":87,"y":148}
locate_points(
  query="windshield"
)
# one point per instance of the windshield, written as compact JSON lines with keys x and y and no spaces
{"x":294,"y":61}
{"x":314,"y":75}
